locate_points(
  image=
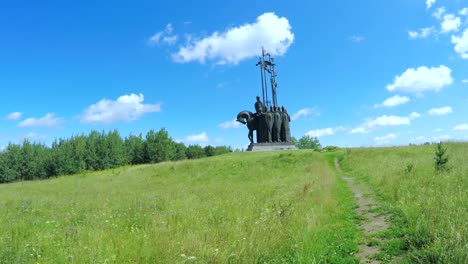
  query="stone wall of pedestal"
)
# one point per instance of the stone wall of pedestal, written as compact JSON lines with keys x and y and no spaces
{"x":271,"y":146}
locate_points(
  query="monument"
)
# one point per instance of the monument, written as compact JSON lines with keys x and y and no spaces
{"x":270,"y":121}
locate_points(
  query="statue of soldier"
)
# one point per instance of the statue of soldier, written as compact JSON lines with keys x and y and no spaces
{"x":260,"y":115}
{"x":269,"y":126}
{"x":285,"y":129}
{"x":277,"y":121}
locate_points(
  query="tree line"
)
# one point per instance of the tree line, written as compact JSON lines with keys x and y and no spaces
{"x":93,"y":152}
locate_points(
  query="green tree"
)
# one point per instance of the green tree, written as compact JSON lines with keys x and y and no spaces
{"x":159,"y":146}
{"x":440,"y":158}
{"x":10,"y":163}
{"x":135,"y":149}
{"x":209,"y":151}
{"x":308,"y":142}
{"x":179,"y":151}
{"x":195,"y":152}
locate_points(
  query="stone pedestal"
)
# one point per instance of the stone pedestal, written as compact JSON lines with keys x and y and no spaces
{"x":271,"y":146}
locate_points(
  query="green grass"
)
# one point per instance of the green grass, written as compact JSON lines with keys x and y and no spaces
{"x":429,"y":208}
{"x":278,"y":207}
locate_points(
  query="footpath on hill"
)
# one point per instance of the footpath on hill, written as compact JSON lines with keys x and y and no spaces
{"x":370,"y":223}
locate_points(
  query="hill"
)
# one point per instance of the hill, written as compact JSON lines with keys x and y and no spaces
{"x":242,"y":207}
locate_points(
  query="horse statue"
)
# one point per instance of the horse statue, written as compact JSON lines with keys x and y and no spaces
{"x":250,"y":119}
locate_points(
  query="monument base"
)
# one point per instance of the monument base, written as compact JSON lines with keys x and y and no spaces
{"x":271,"y":146}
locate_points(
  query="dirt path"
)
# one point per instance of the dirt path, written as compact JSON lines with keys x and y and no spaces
{"x":370,"y":223}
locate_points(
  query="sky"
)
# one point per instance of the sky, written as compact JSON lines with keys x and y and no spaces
{"x":352,"y":73}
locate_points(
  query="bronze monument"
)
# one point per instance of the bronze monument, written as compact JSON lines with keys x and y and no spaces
{"x":270,"y":121}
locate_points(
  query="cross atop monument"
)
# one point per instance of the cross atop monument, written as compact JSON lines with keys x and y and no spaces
{"x":267,"y":65}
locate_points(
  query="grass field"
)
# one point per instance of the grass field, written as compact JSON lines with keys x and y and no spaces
{"x":279,"y":207}
{"x":430,"y":209}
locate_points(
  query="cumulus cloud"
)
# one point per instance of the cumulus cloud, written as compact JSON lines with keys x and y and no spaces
{"x":463,"y":12}
{"x":461,"y":44}
{"x":303,"y":113}
{"x":201,"y":138}
{"x":422,"y":79}
{"x":49,"y":120}
{"x":461,"y":127}
{"x":440,"y":111}
{"x":393,"y":101}
{"x":384,"y":121}
{"x":239,"y":43}
{"x":414,"y":115}
{"x":164,"y":36}
{"x":14,"y":116}
{"x":439,"y":13}
{"x":430,"y":3}
{"x":323,"y":132}
{"x":230,"y":124}
{"x":125,"y":108}
{"x":423,"y":33}
{"x":450,"y":23}
{"x":385,"y":139}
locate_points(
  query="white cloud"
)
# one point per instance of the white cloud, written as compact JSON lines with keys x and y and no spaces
{"x":359,"y":130}
{"x":430,"y":3}
{"x":420,"y":138}
{"x":201,"y":138}
{"x":414,"y":115}
{"x":384,"y":121}
{"x":440,"y":111}
{"x":164,"y":36}
{"x":463,"y":12}
{"x":49,"y":120}
{"x":230,"y":124}
{"x":422,"y":79}
{"x":171,"y":40}
{"x":304,"y":112}
{"x":324,"y":132}
{"x":125,"y":108}
{"x":357,"y":39}
{"x":393,"y":101}
{"x":450,"y":23}
{"x":155,"y":38}
{"x":14,"y":116}
{"x":465,"y":81}
{"x":169,"y":28}
{"x":385,"y":139}
{"x":424,"y":33}
{"x":239,"y":43}
{"x":439,"y":13}
{"x":437,"y":130}
{"x":461,"y":127}
{"x":461,"y":44}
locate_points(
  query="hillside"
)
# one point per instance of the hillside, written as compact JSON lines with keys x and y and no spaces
{"x":242,"y":207}
{"x":429,"y":207}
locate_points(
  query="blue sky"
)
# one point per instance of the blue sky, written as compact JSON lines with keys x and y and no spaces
{"x":353,"y":73}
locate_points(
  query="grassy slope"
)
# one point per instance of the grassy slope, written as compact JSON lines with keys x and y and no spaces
{"x":430,"y":209}
{"x":239,"y":208}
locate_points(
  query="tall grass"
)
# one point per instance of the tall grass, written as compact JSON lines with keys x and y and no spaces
{"x":430,"y":208}
{"x":280,"y":207}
